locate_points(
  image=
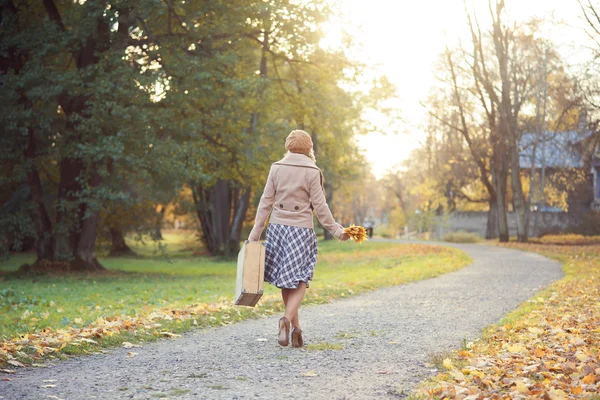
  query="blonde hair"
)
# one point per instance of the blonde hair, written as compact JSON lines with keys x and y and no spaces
{"x":310,"y":154}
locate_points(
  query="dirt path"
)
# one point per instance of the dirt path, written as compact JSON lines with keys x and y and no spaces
{"x":383,"y":341}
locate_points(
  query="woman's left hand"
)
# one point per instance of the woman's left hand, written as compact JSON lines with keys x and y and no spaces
{"x":344,"y":237}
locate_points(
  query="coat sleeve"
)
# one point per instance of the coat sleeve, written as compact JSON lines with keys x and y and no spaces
{"x":264,"y":208}
{"x":319,"y":202}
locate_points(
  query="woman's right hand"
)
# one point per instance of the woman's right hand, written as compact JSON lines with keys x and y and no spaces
{"x":344,"y":237}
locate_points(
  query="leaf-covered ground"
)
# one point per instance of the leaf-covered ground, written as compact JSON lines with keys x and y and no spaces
{"x":549,"y":348}
{"x":144,"y":299}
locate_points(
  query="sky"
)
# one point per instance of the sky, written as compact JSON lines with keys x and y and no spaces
{"x":403,"y":40}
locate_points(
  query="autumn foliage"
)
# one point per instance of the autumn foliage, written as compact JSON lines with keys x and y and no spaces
{"x":548,"y":350}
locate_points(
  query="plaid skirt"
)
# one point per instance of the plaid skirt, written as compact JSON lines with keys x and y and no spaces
{"x":291,"y":255}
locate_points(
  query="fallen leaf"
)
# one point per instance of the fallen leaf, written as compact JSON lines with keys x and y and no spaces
{"x":539,"y":352}
{"x":557,"y":394}
{"x":92,"y":341}
{"x":169,"y":334}
{"x":447,"y":363}
{"x":15,"y":363}
{"x":457,"y":375}
{"x":47,"y":386}
{"x":131,"y":354}
{"x":262,"y":340}
{"x":128,"y":345}
{"x":308,"y":373}
{"x":522,"y":387}
{"x":6,"y":379}
{"x":7,"y":371}
{"x":589,"y":379}
{"x":515,"y":348}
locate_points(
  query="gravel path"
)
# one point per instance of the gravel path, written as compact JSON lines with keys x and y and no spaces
{"x":386,"y":337}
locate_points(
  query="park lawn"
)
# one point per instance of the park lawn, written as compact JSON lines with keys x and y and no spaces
{"x":145,"y":298}
{"x":548,"y":348}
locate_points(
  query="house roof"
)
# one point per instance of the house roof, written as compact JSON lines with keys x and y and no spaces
{"x":554,"y":149}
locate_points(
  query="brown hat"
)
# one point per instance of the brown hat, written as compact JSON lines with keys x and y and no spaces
{"x":299,"y":142}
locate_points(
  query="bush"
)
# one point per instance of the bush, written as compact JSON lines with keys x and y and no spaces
{"x":385,"y":232}
{"x":567,"y":239}
{"x":461,"y":237}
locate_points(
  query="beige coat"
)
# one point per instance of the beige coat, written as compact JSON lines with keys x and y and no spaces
{"x":294,"y":188}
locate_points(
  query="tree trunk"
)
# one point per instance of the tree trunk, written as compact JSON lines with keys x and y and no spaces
{"x":157,"y":231}
{"x":329,"y":198}
{"x":238,"y":220}
{"x":85,"y":252}
{"x":118,"y":245}
{"x":499,"y":176}
{"x":68,"y":213}
{"x":76,"y":224}
{"x":44,"y":240}
{"x":518,"y":195}
{"x":492,"y":219}
{"x":221,"y":210}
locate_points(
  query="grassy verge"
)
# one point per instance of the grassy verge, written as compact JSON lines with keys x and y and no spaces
{"x":547,"y":348}
{"x":155,"y":296}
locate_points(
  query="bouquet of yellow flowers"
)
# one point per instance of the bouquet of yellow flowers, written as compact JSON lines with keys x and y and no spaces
{"x":356,"y":233}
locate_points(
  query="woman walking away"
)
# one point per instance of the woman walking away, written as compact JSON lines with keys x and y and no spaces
{"x":294,"y":189}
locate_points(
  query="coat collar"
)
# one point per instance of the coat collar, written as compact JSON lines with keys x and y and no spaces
{"x":297,"y":159}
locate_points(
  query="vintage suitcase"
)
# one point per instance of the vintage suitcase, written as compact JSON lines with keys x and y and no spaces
{"x":250,"y":274}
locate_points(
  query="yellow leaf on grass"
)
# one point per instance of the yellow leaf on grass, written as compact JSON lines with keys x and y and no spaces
{"x":457,"y":375}
{"x":589,"y":379}
{"x":581,"y":356}
{"x":447,"y":363}
{"x":557,"y":394}
{"x":473,"y":372}
{"x":535,"y":331}
{"x":539,"y":352}
{"x":522,"y":387}
{"x":577,"y":390}
{"x":515,"y":348}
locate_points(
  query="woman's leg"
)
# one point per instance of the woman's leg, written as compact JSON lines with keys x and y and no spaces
{"x":284,"y":295}
{"x":293,"y":302}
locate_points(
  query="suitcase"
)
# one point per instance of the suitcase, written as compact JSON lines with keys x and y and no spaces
{"x":250,"y":274}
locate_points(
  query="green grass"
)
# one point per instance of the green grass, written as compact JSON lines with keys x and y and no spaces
{"x":137,"y":286}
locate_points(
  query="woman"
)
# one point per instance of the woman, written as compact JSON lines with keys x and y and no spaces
{"x":294,"y":189}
